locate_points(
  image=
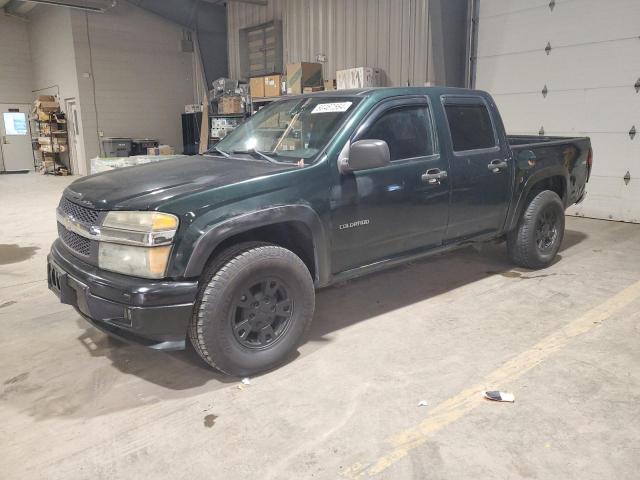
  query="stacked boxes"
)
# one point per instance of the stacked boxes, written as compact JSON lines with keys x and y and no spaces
{"x":301,"y":75}
{"x":51,"y":138}
{"x":221,"y":127}
{"x":230,"y":104}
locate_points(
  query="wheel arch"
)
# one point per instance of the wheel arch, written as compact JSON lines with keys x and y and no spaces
{"x":295,"y":227}
{"x":551,"y":178}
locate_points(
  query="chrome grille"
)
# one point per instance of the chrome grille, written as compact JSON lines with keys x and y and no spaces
{"x":74,"y":241}
{"x":81,"y":214}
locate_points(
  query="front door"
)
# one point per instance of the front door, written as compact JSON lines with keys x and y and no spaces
{"x":481,"y":170}
{"x":17,"y":154}
{"x":400,"y":208}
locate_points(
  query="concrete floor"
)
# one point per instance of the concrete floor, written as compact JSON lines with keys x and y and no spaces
{"x":75,"y":404}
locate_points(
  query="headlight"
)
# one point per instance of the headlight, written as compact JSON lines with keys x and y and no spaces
{"x":148,"y":262}
{"x":136,"y":243}
{"x":139,"y":228}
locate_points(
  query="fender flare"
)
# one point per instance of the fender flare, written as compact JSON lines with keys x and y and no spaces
{"x":212,"y":237}
{"x":542,"y":174}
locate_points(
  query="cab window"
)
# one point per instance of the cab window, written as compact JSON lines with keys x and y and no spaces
{"x":470,"y":127}
{"x":407,"y":131}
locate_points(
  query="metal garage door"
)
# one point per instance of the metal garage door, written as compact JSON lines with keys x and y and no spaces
{"x":571,"y":67}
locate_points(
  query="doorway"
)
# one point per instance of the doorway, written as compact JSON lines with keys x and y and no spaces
{"x":16,"y":152}
{"x":76,"y":141}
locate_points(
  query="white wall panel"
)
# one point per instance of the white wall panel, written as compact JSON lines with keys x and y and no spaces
{"x":52,"y":55}
{"x":495,"y":8}
{"x":589,"y":74}
{"x":15,"y":61}
{"x":142,"y":79}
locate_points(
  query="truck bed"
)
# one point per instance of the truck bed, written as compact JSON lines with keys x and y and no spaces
{"x":533,"y":152}
{"x":518,"y":142}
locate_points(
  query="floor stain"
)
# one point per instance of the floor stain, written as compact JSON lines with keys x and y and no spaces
{"x":17,"y":379}
{"x":210,"y":420}
{"x":8,"y":304}
{"x":14,"y":253}
{"x":528,"y":277}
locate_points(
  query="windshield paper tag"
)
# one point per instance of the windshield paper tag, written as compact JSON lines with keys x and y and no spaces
{"x":331,"y":107}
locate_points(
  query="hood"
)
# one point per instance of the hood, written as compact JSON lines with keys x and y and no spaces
{"x":146,"y":186}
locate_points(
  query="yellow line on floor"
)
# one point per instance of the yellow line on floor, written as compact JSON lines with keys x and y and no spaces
{"x":459,"y":405}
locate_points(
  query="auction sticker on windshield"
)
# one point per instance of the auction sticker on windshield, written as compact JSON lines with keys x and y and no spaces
{"x":331,"y":107}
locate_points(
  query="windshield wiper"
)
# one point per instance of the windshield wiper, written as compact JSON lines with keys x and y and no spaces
{"x":256,"y":154}
{"x":216,"y":149}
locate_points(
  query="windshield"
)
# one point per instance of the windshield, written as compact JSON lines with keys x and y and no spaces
{"x":293,"y":130}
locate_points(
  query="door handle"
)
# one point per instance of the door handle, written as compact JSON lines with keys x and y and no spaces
{"x":4,"y":140}
{"x":497,"y":165}
{"x":433,"y":176}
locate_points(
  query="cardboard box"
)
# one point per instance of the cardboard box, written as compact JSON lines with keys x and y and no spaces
{"x":47,"y":107}
{"x":312,"y":89}
{"x":304,"y":74}
{"x":230,"y":104}
{"x":161,"y":150}
{"x":46,"y":98}
{"x":330,"y":84}
{"x":273,"y":86}
{"x":256,"y":87}
{"x":360,"y":77}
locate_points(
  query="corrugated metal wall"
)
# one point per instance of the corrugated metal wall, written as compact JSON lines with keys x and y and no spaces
{"x":394,"y":35}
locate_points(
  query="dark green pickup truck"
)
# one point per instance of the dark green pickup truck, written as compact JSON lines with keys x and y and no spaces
{"x":226,"y":249}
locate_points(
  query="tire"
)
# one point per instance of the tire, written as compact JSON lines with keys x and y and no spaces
{"x":254,"y":306}
{"x":538,"y":236}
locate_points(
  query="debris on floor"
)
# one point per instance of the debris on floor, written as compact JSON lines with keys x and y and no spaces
{"x":423,"y":403}
{"x":498,"y":396}
{"x":245,"y":381}
{"x":210,"y":420}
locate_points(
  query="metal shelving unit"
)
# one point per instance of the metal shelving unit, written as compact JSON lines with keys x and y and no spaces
{"x":52,"y":130}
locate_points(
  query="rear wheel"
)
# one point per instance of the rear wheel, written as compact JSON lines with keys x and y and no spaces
{"x":538,"y":236}
{"x":253,"y":309}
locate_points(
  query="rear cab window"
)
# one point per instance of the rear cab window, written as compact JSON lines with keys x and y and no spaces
{"x":469,"y":123}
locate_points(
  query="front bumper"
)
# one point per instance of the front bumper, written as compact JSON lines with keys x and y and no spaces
{"x":154,"y":313}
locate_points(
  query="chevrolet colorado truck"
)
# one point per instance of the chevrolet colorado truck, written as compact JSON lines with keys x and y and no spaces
{"x":225,"y":250}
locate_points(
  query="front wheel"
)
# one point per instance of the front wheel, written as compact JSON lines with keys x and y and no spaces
{"x":253,"y":309}
{"x":537,"y":238}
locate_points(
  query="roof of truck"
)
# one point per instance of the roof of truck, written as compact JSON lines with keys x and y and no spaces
{"x":383,"y":92}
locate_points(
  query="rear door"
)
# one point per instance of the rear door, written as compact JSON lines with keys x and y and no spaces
{"x":384,"y":212}
{"x":480,"y":170}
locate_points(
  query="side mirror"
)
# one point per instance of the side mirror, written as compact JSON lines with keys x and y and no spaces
{"x":365,"y":154}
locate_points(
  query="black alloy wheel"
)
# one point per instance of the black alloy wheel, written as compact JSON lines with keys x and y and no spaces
{"x":262,"y":313}
{"x":547,"y":229}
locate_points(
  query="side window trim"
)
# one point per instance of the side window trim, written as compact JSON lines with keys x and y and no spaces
{"x":400,"y":102}
{"x":470,"y":100}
